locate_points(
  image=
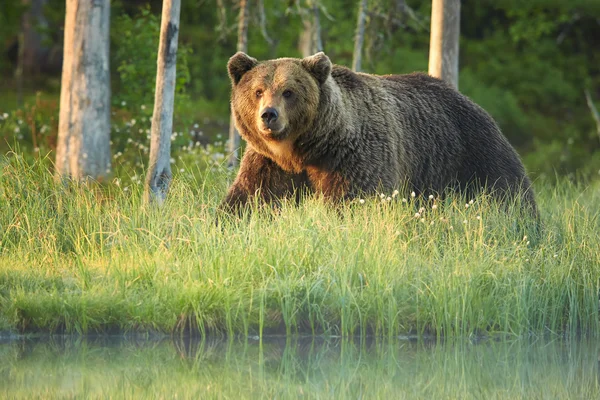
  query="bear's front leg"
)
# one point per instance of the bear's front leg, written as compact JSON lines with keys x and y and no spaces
{"x":260,"y":177}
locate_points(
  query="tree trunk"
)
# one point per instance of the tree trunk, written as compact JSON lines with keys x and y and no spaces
{"x":310,"y":38}
{"x":159,"y":174}
{"x":242,"y":45}
{"x":443,"y":46}
{"x":33,"y":53}
{"x":359,"y":38}
{"x":83,"y":148}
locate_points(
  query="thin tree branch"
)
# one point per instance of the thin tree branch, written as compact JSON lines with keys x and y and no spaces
{"x":263,"y":22}
{"x":593,"y":110}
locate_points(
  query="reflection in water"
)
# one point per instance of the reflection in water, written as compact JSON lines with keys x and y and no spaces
{"x":67,"y":367}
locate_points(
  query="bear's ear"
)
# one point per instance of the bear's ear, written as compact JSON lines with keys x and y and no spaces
{"x":318,"y":65}
{"x":238,"y":65}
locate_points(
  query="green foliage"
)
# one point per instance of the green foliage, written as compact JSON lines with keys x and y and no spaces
{"x":135,"y":45}
{"x":34,"y":127}
{"x":526,"y":63}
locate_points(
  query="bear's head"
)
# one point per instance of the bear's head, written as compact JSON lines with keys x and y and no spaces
{"x":276,"y":100}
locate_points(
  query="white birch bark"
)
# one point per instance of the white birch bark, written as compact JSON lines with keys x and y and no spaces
{"x":242,"y":45}
{"x":310,"y":38}
{"x":159,"y":174}
{"x":359,"y":37}
{"x":444,"y":40}
{"x":83,"y":148}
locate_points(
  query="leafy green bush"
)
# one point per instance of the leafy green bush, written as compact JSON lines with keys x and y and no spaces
{"x":135,"y":45}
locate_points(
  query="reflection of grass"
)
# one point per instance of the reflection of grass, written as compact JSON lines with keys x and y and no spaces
{"x":91,"y":258}
{"x":298,"y":369}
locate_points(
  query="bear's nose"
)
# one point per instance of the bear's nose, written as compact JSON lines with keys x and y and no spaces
{"x":268,"y":115}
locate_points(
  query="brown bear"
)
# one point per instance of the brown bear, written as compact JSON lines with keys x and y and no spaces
{"x":317,"y":127}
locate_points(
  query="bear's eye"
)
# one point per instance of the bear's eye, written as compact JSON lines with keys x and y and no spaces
{"x":259,"y":93}
{"x":287,"y":94}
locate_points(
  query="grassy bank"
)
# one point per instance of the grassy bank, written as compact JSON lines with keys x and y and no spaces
{"x":91,"y":258}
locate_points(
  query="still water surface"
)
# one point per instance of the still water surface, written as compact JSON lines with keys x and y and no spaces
{"x":67,"y":367}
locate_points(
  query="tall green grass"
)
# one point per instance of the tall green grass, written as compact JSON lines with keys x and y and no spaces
{"x":87,"y":258}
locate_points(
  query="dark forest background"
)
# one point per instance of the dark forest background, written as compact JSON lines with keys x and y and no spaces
{"x":528,"y":63}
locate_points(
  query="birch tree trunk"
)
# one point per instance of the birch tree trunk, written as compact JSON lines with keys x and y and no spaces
{"x":359,"y":38}
{"x":443,"y":45}
{"x":83,"y":148}
{"x":310,"y":38}
{"x":159,"y":173}
{"x":242,"y":45}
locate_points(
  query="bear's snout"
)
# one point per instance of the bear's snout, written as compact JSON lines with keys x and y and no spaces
{"x":269,"y":115}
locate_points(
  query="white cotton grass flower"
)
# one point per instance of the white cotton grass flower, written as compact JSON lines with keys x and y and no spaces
{"x":395,"y":193}
{"x":465,"y":222}
{"x":478,"y":217}
{"x":413,"y":194}
{"x":382,"y":195}
{"x":430,"y":197}
{"x":433,"y":207}
{"x":467,"y":205}
{"x":404,"y":200}
{"x":361,"y":201}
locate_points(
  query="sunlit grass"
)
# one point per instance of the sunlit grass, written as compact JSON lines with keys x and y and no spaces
{"x":92,"y":258}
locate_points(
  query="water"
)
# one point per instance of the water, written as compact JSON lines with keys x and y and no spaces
{"x":67,"y":367}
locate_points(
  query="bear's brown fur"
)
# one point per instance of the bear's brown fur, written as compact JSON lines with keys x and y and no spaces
{"x":314,"y":126}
